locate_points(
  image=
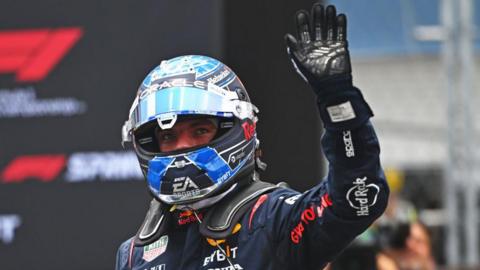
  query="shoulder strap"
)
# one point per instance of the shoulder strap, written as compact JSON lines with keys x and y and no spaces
{"x":218,"y":222}
{"x":156,"y":223}
{"x":222,"y":218}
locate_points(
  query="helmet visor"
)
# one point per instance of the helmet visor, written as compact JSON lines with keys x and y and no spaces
{"x":180,"y":100}
{"x":187,"y":100}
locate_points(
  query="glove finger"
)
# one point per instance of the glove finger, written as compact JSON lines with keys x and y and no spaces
{"x":292,"y":44}
{"x":294,"y":53}
{"x":293,"y":48}
{"x":318,"y":22}
{"x":302,"y":26}
{"x":341,"y":27}
{"x":331,"y":22}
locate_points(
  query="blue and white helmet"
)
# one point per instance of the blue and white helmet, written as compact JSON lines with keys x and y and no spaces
{"x":193,"y":86}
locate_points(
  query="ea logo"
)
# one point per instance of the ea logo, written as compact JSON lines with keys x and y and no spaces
{"x":181,"y":184}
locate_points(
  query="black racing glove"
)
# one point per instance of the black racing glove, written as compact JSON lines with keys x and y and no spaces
{"x":320,"y":55}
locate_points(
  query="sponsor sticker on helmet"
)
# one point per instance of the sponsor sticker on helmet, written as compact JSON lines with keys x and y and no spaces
{"x":248,"y":130}
{"x":181,"y":184}
{"x":155,"y":249}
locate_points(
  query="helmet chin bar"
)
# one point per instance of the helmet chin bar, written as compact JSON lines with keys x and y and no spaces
{"x":188,"y":186}
{"x":174,"y":199}
{"x":205,"y":202}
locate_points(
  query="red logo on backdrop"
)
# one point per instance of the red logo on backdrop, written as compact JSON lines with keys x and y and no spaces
{"x":32,"y":54}
{"x":43,"y":167}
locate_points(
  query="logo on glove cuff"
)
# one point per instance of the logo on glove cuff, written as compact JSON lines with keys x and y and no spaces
{"x":362,"y":196}
{"x":341,"y":112}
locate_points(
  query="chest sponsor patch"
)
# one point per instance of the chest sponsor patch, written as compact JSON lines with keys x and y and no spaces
{"x":221,"y":256}
{"x":361,"y":196}
{"x":155,"y":249}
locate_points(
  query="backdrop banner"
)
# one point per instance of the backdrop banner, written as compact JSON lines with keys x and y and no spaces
{"x":69,"y":193}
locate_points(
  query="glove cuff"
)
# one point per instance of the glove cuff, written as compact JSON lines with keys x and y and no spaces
{"x":332,"y":85}
{"x":342,"y":106}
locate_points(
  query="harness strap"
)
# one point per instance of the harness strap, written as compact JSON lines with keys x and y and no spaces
{"x":156,"y":223}
{"x":218,"y":223}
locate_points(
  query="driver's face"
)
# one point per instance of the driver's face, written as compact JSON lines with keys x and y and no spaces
{"x":186,"y":133}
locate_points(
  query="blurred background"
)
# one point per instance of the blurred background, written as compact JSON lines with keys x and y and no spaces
{"x":70,"y":194}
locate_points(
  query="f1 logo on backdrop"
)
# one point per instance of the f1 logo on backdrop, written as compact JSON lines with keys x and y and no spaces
{"x":78,"y":167}
{"x":31,"y":54}
{"x":42,"y":167}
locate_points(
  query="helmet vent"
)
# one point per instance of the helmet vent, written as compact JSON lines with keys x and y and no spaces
{"x":167,"y":120}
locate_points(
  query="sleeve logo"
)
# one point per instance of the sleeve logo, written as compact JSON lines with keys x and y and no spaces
{"x":362,"y":196}
{"x":347,"y":140}
{"x":308,"y":216}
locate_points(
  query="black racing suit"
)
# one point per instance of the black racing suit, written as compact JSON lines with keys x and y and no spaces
{"x":285,"y":229}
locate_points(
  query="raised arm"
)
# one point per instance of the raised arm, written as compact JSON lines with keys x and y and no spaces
{"x":310,"y":229}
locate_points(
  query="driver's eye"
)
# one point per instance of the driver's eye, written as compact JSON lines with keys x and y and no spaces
{"x":201,"y":131}
{"x":165,"y":137}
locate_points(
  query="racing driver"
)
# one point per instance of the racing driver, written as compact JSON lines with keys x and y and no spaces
{"x":193,"y":128}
